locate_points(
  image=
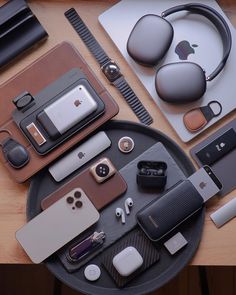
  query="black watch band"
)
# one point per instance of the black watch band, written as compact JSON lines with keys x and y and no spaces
{"x":133,"y":101}
{"x":109,"y":67}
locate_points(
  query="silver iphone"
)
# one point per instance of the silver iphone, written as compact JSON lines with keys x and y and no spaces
{"x":67,"y":111}
{"x":57,"y":225}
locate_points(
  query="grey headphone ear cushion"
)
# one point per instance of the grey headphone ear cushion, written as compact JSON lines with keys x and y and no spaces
{"x":181,"y":82}
{"x":150,"y":39}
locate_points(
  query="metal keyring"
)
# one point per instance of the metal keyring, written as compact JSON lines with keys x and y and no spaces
{"x":219,"y":104}
{"x":5,"y":131}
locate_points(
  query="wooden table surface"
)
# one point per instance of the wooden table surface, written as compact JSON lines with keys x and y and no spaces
{"x":218,"y":246}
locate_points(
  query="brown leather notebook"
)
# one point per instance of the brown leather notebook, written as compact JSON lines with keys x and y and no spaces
{"x":33,"y":79}
{"x":100,"y":194}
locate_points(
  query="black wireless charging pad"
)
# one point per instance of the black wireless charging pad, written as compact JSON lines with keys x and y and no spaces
{"x":168,"y":266}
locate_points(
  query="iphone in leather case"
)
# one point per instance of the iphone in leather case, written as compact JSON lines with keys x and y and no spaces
{"x":101,"y":194}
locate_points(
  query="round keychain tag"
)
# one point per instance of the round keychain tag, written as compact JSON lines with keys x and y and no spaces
{"x":126,"y":144}
{"x":197,"y":118}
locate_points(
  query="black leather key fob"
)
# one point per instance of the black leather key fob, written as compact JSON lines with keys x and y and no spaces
{"x":15,"y":153}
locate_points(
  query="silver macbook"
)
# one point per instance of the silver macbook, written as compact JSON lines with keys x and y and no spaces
{"x":195,"y":39}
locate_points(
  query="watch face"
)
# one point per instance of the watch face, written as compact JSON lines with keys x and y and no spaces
{"x":111,"y":71}
{"x":102,"y":170}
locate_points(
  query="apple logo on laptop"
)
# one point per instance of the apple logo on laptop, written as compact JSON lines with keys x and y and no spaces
{"x":184,"y":49}
{"x":77,"y":103}
{"x":202,"y":184}
{"x":81,"y":155}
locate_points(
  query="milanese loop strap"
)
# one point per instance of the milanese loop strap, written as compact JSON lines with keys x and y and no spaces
{"x":109,"y":67}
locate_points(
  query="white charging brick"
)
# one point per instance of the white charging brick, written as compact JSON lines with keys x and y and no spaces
{"x":174,"y":244}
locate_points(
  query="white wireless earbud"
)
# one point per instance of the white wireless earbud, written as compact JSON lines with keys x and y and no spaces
{"x":120,"y":213}
{"x":128,"y":204}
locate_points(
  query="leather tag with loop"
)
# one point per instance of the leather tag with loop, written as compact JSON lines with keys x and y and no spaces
{"x":197,"y":118}
{"x":4,"y":137}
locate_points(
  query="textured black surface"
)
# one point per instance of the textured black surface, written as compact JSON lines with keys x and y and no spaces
{"x":168,"y":266}
{"x":138,"y":240}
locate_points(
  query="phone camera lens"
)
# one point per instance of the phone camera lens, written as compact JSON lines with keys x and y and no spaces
{"x":70,"y":200}
{"x":78,"y":204}
{"x":77,"y":194}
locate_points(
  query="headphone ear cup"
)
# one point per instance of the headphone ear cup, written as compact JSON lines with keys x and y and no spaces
{"x":181,"y":82}
{"x":150,"y":40}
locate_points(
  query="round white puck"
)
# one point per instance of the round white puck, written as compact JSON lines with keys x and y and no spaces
{"x":92,"y":272}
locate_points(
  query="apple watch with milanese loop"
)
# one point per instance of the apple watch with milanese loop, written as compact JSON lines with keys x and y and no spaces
{"x":108,"y":67}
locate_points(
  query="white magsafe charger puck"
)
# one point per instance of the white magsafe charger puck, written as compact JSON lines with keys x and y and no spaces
{"x":92,"y":272}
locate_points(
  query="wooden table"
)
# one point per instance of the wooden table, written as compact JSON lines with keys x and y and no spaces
{"x":217,"y":246}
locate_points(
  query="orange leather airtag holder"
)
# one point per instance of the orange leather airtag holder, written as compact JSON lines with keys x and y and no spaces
{"x":194,"y":120}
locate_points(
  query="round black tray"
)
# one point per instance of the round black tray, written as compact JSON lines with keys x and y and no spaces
{"x":169,"y":266}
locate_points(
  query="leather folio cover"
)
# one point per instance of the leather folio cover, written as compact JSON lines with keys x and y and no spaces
{"x":34,"y":78}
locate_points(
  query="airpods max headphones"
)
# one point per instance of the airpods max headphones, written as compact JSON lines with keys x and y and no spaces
{"x":149,"y":41}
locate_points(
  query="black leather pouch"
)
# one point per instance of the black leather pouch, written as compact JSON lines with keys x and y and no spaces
{"x":166,"y":213}
{"x":19,"y":30}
